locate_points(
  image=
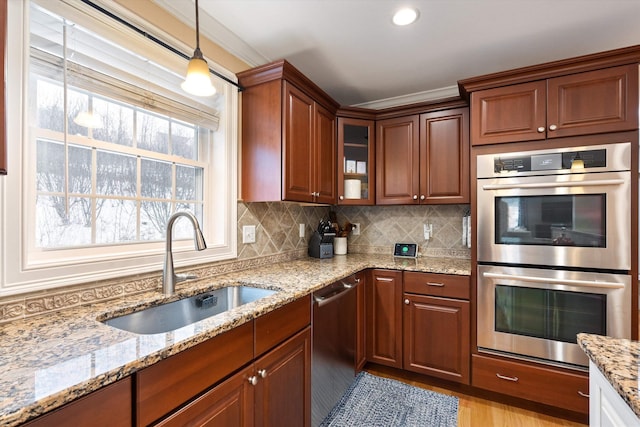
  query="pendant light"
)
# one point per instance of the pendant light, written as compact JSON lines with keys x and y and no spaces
{"x":198,"y":80}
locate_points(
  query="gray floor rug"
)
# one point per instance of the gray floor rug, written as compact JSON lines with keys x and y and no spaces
{"x":373,"y":401}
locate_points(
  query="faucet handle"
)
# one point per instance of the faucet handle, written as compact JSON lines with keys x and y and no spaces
{"x":182,"y":277}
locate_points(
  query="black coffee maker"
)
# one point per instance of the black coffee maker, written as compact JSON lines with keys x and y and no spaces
{"x":321,"y":242}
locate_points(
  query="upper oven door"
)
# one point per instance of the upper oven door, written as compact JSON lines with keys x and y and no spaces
{"x":571,"y":220}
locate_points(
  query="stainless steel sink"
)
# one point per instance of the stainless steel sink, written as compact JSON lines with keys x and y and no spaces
{"x":174,"y":315}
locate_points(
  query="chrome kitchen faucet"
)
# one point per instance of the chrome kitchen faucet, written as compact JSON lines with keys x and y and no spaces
{"x":169,"y":278}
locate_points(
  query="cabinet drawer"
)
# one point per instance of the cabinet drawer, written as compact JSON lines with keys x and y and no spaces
{"x":280,"y":324}
{"x":164,"y":386}
{"x":544,"y":385}
{"x":439,"y":285}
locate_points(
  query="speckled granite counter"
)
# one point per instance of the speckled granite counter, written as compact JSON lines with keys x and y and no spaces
{"x":47,"y":361}
{"x":619,"y":361}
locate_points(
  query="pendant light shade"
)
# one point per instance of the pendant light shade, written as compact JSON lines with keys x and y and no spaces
{"x":198,"y":80}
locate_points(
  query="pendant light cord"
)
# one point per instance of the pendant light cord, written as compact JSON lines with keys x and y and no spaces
{"x":160,"y":42}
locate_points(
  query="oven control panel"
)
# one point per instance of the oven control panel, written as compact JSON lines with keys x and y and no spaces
{"x":550,"y":161}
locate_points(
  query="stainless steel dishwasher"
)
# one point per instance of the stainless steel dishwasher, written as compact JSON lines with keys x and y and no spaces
{"x":333,"y":345}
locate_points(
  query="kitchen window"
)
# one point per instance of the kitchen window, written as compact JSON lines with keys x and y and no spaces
{"x":106,"y":147}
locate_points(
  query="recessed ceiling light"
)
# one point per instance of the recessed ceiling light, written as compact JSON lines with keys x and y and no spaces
{"x":405,"y":16}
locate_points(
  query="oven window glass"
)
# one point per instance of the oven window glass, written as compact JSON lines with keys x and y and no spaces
{"x":551,"y":220}
{"x":549,"y":314}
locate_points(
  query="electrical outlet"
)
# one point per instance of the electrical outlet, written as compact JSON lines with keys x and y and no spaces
{"x":249,"y":234}
{"x":428,"y":231}
{"x":302,"y":230}
{"x":356,"y":229}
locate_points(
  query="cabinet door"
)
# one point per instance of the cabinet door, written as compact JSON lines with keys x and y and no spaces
{"x":436,"y":337}
{"x":444,"y":157}
{"x":111,"y":406}
{"x":593,"y":102}
{"x":297,"y":145}
{"x":283,"y":390}
{"x":356,"y":161}
{"x":325,"y":156}
{"x":397,"y":161}
{"x":227,"y":404}
{"x":509,"y":114}
{"x":384,"y":318}
{"x":361,"y":350}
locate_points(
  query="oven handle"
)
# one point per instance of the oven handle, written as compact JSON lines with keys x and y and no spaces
{"x":584,"y":283}
{"x":596,"y":183}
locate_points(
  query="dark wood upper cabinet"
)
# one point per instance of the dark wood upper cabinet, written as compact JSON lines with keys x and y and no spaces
{"x":397,"y":161}
{"x":3,"y":129}
{"x":288,"y":137}
{"x":444,"y":156}
{"x":589,"y":102}
{"x":356,"y":161}
{"x":423,"y":159}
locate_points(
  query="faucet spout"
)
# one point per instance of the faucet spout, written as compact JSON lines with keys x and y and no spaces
{"x":169,"y":278}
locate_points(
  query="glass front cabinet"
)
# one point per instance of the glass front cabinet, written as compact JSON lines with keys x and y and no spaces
{"x":356,"y":183}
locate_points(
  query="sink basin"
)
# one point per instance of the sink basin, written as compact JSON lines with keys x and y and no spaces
{"x":174,"y":315}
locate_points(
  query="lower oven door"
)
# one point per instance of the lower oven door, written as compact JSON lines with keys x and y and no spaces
{"x":537,"y":313}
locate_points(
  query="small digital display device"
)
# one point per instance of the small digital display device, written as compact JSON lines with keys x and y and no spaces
{"x":405,"y":250}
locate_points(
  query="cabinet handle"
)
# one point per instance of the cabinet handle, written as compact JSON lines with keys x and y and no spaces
{"x":422,"y":197}
{"x":407,"y":302}
{"x":262,"y":373}
{"x":341,"y":197}
{"x":440,"y":285}
{"x":504,"y":377}
{"x":253,"y":380}
{"x":583,"y":394}
{"x":384,"y":279}
{"x":415,"y":197}
{"x":541,"y":129}
{"x":553,"y":127}
{"x":356,"y":280}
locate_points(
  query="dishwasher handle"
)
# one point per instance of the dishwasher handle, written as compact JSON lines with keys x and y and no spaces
{"x":324,"y":300}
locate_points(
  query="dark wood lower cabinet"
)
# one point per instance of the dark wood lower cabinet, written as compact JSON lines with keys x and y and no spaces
{"x":283,"y":390}
{"x":436,"y":337}
{"x":555,"y":387}
{"x":111,"y":406}
{"x":275,"y":390}
{"x":228,"y":404}
{"x":384,"y":318}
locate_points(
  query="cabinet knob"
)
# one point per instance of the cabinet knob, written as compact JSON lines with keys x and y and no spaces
{"x":422,"y":197}
{"x":341,"y":197}
{"x":253,"y":380}
{"x":541,"y":129}
{"x":553,"y":127}
{"x":262,"y":373}
{"x":415,"y":197}
{"x":407,"y":302}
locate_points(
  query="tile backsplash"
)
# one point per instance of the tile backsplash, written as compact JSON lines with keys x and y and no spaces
{"x":277,"y":227}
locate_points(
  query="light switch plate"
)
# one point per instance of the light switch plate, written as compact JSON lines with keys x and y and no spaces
{"x":248,"y":234}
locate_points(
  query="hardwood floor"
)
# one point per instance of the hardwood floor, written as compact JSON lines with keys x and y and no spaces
{"x":476,"y":411}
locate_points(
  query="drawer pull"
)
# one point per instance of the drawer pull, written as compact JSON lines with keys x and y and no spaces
{"x":506,"y":378}
{"x":384,"y":279}
{"x":583,"y":394}
{"x":440,"y":285}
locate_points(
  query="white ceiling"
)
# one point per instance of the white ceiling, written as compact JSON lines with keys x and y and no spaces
{"x":351,"y":49}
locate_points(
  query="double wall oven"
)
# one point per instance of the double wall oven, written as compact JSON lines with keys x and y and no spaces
{"x":553,"y":250}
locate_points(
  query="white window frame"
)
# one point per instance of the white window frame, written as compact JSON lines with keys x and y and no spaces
{"x":21,"y":271}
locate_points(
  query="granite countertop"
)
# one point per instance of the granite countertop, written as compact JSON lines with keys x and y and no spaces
{"x":49,"y":360}
{"x":619,"y":361}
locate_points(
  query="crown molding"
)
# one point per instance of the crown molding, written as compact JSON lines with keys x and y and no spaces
{"x":412,"y":98}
